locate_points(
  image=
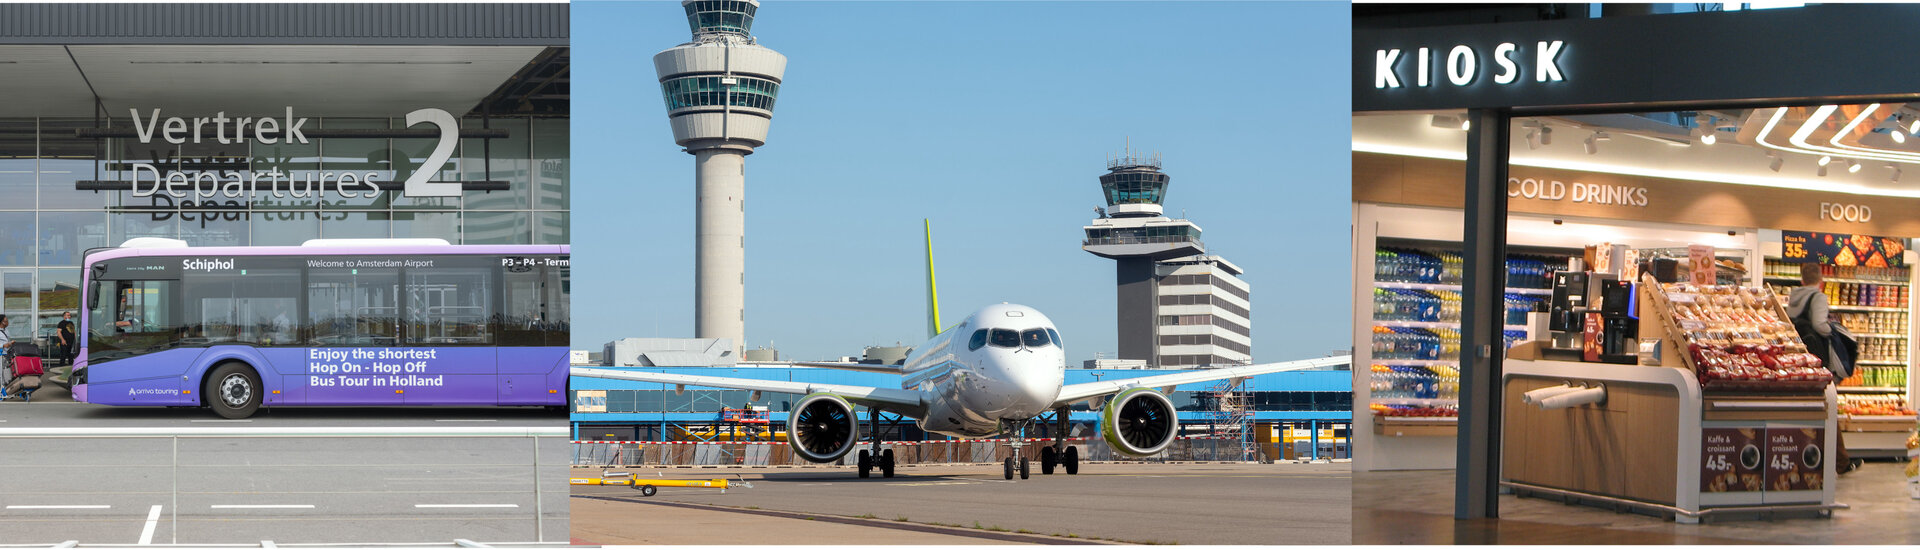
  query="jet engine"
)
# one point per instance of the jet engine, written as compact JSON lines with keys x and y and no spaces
{"x":822,"y":428}
{"x":1139,"y":422}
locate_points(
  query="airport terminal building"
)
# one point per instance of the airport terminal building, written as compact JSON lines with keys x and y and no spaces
{"x":272,"y":124}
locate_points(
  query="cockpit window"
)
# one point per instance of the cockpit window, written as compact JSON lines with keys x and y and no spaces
{"x":1034,"y":338}
{"x":1004,"y":338}
{"x":979,"y":339}
{"x":1056,"y":337}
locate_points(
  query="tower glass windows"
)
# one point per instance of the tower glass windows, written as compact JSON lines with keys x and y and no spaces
{"x":703,"y":91}
{"x":730,"y":16}
{"x":1134,"y":187}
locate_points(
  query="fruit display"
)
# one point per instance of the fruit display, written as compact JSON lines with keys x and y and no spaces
{"x":1739,"y":338}
{"x":1874,"y":405}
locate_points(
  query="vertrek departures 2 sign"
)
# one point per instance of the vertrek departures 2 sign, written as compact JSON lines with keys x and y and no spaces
{"x":148,"y":180}
{"x":1692,"y":60}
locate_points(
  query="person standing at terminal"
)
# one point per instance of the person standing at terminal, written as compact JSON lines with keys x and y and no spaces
{"x":64,"y":335}
{"x":1807,"y":308}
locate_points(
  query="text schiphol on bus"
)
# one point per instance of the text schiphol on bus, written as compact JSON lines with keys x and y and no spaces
{"x":363,"y":323}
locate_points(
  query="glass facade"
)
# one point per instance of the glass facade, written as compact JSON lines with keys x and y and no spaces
{"x":733,"y":16}
{"x":46,"y":224}
{"x":1134,"y":187}
{"x":700,"y":91}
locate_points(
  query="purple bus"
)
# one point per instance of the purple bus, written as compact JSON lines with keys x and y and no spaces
{"x":366,"y":322}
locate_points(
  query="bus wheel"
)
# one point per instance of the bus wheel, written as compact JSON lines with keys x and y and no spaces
{"x":232,"y":390}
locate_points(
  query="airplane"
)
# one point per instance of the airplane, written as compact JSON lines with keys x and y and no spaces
{"x":992,"y":374}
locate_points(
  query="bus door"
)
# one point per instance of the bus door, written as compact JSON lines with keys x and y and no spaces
{"x":449,"y":356}
{"x":533,"y":334}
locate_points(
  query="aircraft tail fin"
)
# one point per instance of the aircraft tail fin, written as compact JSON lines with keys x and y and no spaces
{"x":933,"y":289}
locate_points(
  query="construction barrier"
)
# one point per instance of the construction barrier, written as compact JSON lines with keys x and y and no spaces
{"x":961,"y":451}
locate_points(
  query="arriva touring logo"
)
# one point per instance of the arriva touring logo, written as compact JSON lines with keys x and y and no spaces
{"x":211,"y":264}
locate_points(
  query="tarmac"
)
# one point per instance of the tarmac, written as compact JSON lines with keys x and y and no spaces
{"x":1106,"y":503}
{"x":197,"y":490}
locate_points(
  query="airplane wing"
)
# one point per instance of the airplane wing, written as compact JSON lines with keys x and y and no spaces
{"x":1078,"y":392}
{"x":895,"y":399}
{"x":862,"y":367}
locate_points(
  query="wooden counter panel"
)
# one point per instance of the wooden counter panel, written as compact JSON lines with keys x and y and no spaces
{"x":1625,"y":447}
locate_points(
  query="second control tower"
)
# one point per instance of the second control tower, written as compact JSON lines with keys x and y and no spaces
{"x":1177,"y":306}
{"x":720,"y":89}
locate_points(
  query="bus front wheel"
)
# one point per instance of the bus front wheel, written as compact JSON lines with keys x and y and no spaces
{"x":232,"y":390}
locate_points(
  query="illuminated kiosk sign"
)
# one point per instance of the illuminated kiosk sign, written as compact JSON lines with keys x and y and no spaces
{"x":148,"y":180}
{"x":1463,"y":65}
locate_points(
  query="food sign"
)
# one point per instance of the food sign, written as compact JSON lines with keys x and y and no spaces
{"x":1730,"y":460}
{"x":1840,"y":249}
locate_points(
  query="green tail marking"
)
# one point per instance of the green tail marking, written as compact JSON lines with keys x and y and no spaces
{"x":933,"y":288}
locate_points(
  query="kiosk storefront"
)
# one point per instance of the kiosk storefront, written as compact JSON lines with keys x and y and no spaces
{"x":1498,"y":167}
{"x":230,"y":124}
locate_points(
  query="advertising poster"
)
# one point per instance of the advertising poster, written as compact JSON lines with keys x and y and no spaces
{"x":1730,"y":460}
{"x":1795,"y":458}
{"x":1840,"y":249}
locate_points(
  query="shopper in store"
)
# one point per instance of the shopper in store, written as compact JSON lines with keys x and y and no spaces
{"x":1807,"y":307}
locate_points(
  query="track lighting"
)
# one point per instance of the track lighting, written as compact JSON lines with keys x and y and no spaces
{"x":1593,"y":146}
{"x":1821,"y":171}
{"x":1853,"y":167}
{"x":1824,"y":159}
{"x":1546,"y":135}
{"x":1896,"y":173}
{"x":1451,"y":121}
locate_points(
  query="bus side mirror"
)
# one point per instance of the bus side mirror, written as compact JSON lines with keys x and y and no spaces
{"x":93,"y":296}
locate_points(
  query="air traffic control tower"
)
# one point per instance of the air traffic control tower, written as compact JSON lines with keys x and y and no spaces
{"x":720,"y":89}
{"x":1177,"y":307}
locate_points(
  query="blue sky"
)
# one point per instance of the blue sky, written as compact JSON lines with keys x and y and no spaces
{"x":994,"y":119}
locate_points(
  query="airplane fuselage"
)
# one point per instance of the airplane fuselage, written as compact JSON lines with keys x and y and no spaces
{"x":1005,"y":362}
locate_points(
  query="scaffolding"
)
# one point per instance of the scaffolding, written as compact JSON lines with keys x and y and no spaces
{"x":1230,"y":414}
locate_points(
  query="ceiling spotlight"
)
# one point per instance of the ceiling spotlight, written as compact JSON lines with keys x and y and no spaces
{"x":1899,"y":136}
{"x":1703,"y":124}
{"x":1821,"y":171}
{"x":1915,"y":127}
{"x":1775,"y":162}
{"x":1824,"y":159}
{"x":1853,"y":167}
{"x":1546,"y":135}
{"x":1451,"y":121}
{"x":1896,"y":172}
{"x":1708,"y":137}
{"x":1592,"y":142}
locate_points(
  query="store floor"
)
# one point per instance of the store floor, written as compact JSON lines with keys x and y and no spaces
{"x":1417,"y":508}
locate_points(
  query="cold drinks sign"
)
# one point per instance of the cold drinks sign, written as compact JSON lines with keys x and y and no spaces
{"x":149,"y":180}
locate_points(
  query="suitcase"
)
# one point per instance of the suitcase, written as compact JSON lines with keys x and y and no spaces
{"x":24,"y":349}
{"x":27,"y":366}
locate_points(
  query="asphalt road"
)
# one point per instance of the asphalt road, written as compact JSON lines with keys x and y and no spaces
{"x":288,"y":490}
{"x":49,"y":410}
{"x":1267,"y":504}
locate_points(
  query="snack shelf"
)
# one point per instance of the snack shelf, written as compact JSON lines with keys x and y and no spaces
{"x":1883,"y":363}
{"x":1841,"y":280}
{"x":1869,"y":389}
{"x":1867,"y":308}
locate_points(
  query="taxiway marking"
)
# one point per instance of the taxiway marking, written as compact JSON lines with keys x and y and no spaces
{"x":263,"y":506}
{"x":153,"y":520}
{"x":59,"y":507}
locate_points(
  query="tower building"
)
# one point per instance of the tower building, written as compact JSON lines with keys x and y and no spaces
{"x":1176,"y":306}
{"x":720,"y":90}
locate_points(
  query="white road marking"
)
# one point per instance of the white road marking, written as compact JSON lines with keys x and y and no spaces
{"x":227,"y":421}
{"x":466,"y":506}
{"x":263,"y":506}
{"x":153,"y":520}
{"x":470,"y":420}
{"x":59,"y":507}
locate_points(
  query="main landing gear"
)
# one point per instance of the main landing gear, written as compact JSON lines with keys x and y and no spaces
{"x":1059,"y":453}
{"x":876,"y":458}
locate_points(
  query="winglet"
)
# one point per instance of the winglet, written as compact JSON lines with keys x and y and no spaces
{"x":933,"y":289}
